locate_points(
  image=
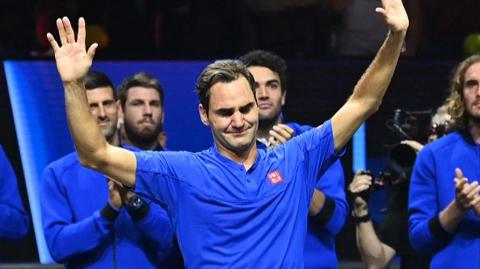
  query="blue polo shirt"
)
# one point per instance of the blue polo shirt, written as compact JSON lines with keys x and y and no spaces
{"x":229,"y":217}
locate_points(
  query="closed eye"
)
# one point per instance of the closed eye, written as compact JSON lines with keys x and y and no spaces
{"x":246,"y":108}
{"x":225,"y":112}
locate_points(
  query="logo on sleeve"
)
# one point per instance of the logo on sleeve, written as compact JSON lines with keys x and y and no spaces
{"x":275,"y":177}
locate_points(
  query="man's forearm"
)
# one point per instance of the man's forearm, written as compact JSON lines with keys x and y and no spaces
{"x":374,"y":253}
{"x":84,"y":130}
{"x":369,"y":91}
{"x":374,"y":82}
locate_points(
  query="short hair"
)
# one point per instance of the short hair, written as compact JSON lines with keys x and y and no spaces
{"x":95,"y":79}
{"x":221,"y":71}
{"x":455,"y":100}
{"x":269,"y":60}
{"x":140,"y":79}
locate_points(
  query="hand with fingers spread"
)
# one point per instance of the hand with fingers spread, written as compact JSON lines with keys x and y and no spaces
{"x":394,"y":14}
{"x":72,"y":58}
{"x":279,"y":134}
{"x":466,"y":194}
{"x":361,"y":182}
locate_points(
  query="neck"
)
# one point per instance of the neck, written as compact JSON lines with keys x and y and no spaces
{"x":246,"y":157}
{"x":115,"y":141}
{"x":475,"y":130}
{"x":265,"y":125}
{"x":142,"y":146}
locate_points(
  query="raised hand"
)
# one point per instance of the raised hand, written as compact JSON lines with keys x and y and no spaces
{"x":361,"y":182}
{"x":395,"y":15}
{"x":279,"y":134}
{"x":73,"y":60}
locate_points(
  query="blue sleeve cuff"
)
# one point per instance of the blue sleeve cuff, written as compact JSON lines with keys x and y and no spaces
{"x":326,"y":212}
{"x":438,"y":231}
{"x":109,"y":213}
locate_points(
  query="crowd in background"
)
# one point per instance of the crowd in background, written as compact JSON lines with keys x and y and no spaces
{"x":206,"y":29}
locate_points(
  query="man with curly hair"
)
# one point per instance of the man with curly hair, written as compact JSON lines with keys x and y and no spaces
{"x":444,"y":200}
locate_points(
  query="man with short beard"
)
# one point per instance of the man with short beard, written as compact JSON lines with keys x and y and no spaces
{"x":91,"y":222}
{"x":141,"y":99}
{"x":444,"y":205}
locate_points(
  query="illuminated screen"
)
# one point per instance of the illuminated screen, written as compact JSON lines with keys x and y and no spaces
{"x":37,"y":99}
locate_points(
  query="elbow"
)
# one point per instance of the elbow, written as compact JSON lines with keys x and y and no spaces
{"x":93,"y":160}
{"x":373,"y":106}
{"x":56,"y":252}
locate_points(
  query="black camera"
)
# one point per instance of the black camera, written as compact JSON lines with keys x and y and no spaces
{"x":400,"y":157}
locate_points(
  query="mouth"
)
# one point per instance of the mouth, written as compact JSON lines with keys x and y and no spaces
{"x":146,"y":123}
{"x":264,"y":106}
{"x":238,"y":133}
{"x":103,"y":123}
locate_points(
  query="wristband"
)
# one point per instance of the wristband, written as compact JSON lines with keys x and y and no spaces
{"x":361,"y":219}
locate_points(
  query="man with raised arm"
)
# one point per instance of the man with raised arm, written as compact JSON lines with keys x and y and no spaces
{"x":91,"y":222}
{"x":232,"y":203}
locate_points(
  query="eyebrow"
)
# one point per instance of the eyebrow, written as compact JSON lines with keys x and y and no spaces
{"x":247,"y":106}
{"x":230,"y":110}
{"x":269,"y":81}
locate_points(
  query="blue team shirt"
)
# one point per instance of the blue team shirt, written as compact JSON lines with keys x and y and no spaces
{"x":229,"y":217}
{"x":77,"y":234}
{"x":14,"y":220}
{"x":320,"y":242}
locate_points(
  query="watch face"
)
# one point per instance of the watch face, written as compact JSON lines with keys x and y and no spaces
{"x":135,"y":202}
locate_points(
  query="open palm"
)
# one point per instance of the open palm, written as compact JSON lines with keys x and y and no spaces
{"x":73,"y":60}
{"x":395,"y":15}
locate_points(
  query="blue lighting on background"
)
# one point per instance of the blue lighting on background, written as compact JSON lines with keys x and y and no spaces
{"x":359,"y":150}
{"x":38,"y":106}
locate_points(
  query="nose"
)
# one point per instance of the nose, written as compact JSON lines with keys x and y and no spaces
{"x":237,"y":120}
{"x":101,"y":112}
{"x":261,"y":92}
{"x":147,"y":110}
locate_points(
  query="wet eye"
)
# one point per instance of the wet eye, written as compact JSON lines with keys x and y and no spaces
{"x":246,"y":109}
{"x":225,"y":112}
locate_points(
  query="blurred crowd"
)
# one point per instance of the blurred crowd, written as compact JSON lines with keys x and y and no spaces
{"x":194,"y":29}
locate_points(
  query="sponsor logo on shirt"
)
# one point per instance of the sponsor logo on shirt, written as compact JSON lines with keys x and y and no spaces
{"x":275,"y":177}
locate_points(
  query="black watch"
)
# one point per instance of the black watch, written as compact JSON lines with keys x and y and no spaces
{"x":135,"y":203}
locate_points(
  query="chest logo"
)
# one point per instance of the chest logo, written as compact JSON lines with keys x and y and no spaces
{"x":275,"y":177}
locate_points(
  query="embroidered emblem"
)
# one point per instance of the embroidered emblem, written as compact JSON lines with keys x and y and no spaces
{"x":275,"y":177}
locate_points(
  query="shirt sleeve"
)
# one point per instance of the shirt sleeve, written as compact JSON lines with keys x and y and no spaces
{"x":316,"y":148}
{"x":157,"y":175}
{"x":66,"y":238}
{"x":334,"y":213}
{"x":14,"y":221}
{"x":425,"y":231}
